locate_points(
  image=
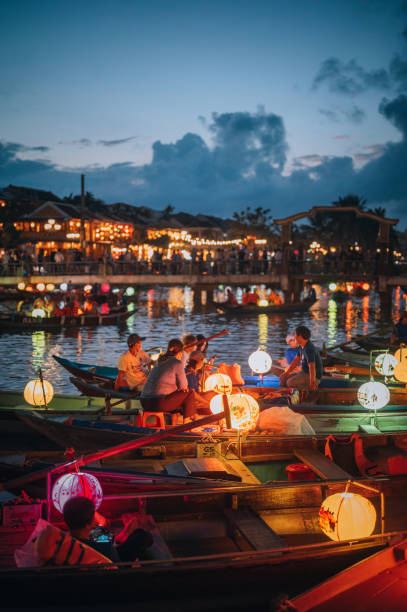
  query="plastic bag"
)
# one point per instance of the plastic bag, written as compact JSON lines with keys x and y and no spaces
{"x":282,"y":421}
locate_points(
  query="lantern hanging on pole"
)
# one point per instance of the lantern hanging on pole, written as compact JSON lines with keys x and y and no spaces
{"x":38,"y":393}
{"x":385,"y":364}
{"x":373,"y":395}
{"x":220,"y":383}
{"x":243,"y":409}
{"x":75,"y":484}
{"x":347,"y":516}
{"x":260,"y":362}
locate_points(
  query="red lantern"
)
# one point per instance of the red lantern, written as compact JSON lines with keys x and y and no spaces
{"x":105,"y":288}
{"x":75,"y":484}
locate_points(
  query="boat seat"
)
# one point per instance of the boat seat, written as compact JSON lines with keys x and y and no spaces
{"x":322,"y":466}
{"x":256,"y":531}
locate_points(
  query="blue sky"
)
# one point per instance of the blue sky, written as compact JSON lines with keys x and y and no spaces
{"x":208,"y":106}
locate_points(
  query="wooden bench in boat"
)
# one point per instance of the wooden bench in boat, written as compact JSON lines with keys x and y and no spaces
{"x":204,"y":468}
{"x":322,"y":466}
{"x":259,"y":535}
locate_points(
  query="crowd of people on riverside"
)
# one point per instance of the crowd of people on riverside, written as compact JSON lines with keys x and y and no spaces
{"x":235,"y":259}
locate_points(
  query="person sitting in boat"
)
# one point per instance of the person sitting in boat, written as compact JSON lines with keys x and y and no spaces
{"x":250,"y":297}
{"x":311,"y":365}
{"x":166,"y":388}
{"x":310,"y":293}
{"x":193,"y":370}
{"x":230,"y":298}
{"x":190,"y":343}
{"x":133,"y":366}
{"x":291,"y":352}
{"x":274,"y":298}
{"x":399,"y":334}
{"x":131,"y":543}
{"x":90,"y":306}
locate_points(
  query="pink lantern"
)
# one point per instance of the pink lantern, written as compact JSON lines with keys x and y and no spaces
{"x":75,"y":484}
{"x":105,"y":288}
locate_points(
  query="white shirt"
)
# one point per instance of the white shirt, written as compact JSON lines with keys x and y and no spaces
{"x":135,"y":367}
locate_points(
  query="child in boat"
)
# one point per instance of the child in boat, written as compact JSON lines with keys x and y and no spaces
{"x":131,"y":543}
{"x":133,"y":366}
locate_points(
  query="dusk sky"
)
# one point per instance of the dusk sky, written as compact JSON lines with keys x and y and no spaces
{"x":207,"y":105}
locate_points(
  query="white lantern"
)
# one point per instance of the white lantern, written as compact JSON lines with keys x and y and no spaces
{"x":385,"y":364}
{"x":373,"y":395}
{"x":347,"y":516}
{"x":260,"y":362}
{"x":38,"y":393}
{"x":216,"y":404}
{"x":73,"y":485}
{"x":221,"y":383}
{"x":38,"y":313}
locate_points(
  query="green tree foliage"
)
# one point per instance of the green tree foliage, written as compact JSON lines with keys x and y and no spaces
{"x":258,"y":222}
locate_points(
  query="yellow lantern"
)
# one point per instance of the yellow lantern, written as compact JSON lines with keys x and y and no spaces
{"x":21,"y":286}
{"x":243,"y":409}
{"x":40,"y":287}
{"x":38,"y":313}
{"x":263,"y":303}
{"x":347,"y":516}
{"x":260,"y":362}
{"x":385,"y":364}
{"x":50,"y":287}
{"x":38,"y":393}
{"x":373,"y":395}
{"x":221,"y":383}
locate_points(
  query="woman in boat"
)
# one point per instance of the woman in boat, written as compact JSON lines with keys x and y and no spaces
{"x":190,"y":343}
{"x":166,"y":388}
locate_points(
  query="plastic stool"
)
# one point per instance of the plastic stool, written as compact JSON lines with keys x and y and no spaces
{"x":158,"y":422}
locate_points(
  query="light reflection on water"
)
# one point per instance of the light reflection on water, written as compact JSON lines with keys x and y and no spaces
{"x":164,"y":313}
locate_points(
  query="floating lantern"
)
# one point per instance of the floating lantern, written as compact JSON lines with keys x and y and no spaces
{"x":221,"y":383}
{"x":347,"y":516}
{"x":105,"y":288}
{"x":38,"y":393}
{"x":129,"y":291}
{"x":50,"y":287}
{"x":63,"y":286}
{"x":21,"y":286}
{"x":260,"y":362}
{"x":74,"y":484}
{"x":38,"y":313}
{"x":87,"y":288}
{"x":40,"y":287}
{"x":373,"y":395}
{"x":385,"y":364}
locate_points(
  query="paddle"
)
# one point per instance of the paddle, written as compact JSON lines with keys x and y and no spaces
{"x":113,"y":450}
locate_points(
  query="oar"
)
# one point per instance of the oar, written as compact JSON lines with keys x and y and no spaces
{"x":387,"y":327}
{"x":113,"y":450}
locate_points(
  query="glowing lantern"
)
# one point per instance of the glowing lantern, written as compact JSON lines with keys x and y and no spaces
{"x":38,"y":393}
{"x":373,"y":395}
{"x":87,"y":288}
{"x":221,"y":383}
{"x":263,"y":303}
{"x":38,"y":313}
{"x":260,"y":362}
{"x":129,"y":291}
{"x":347,"y":516}
{"x":74,"y":484}
{"x":63,"y":286}
{"x":365,"y":286}
{"x":21,"y":286}
{"x":29,"y":288}
{"x":385,"y":364}
{"x":105,"y":288}
{"x":50,"y":287}
{"x":244,"y":410}
{"x":332,"y":286}
{"x":40,"y":287}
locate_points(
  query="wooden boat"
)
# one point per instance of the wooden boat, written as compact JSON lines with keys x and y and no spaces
{"x":245,"y":543}
{"x":376,"y":584}
{"x":87,"y":371}
{"x":251,"y":309}
{"x":19,"y":322}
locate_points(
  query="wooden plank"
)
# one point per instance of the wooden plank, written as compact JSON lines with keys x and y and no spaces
{"x":204,"y":468}
{"x":259,"y":535}
{"x":322,"y":466}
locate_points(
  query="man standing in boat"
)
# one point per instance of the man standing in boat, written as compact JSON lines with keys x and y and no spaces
{"x":133,"y":366}
{"x":311,"y":364}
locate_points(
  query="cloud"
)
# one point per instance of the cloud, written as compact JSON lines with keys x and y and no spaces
{"x":350,"y":78}
{"x":245,"y":164}
{"x":114,"y":143}
{"x":353,"y":114}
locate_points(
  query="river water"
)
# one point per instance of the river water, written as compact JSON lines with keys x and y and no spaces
{"x":166,"y":313}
